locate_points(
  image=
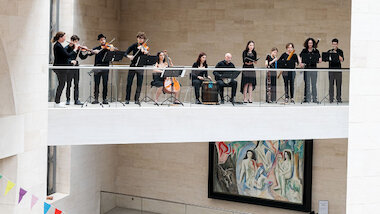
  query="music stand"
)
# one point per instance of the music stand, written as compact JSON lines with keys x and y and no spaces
{"x":330,"y":57}
{"x":145,"y":60}
{"x":170,"y":73}
{"x":110,"y":57}
{"x":88,"y":100}
{"x":229,"y":75}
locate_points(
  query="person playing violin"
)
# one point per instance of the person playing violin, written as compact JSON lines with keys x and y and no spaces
{"x":100,"y":51}
{"x":74,"y":74}
{"x":158,"y":81}
{"x":138,"y":49}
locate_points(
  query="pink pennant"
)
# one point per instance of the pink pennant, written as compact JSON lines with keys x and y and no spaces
{"x":33,"y":201}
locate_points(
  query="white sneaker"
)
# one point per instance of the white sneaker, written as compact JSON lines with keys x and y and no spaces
{"x":59,"y":105}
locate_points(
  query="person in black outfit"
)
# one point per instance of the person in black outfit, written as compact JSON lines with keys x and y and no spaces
{"x":271,"y":62}
{"x":310,"y":56}
{"x":198,"y":76}
{"x":137,"y":51}
{"x":100,"y":52}
{"x":61,"y":58}
{"x":226,"y":63}
{"x":74,"y":73}
{"x":335,"y":75}
{"x":289,"y":76}
{"x":248,"y":78}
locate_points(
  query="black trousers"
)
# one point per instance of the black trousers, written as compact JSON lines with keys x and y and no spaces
{"x":197,"y":83}
{"x":288,"y":77}
{"x":221,"y":86}
{"x":310,"y":78}
{"x":101,"y":74}
{"x":273,"y":83}
{"x":131,"y":75}
{"x":72,"y":75}
{"x":335,"y":76}
{"x":62,"y":78}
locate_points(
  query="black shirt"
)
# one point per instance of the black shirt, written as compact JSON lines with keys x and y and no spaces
{"x":134,"y":50}
{"x":198,"y":73}
{"x":99,"y":57}
{"x":336,"y":64}
{"x":290,"y":64}
{"x":269,"y":59}
{"x":74,"y":55}
{"x":252,"y":56}
{"x":313,"y":56}
{"x":61,"y":55}
{"x":222,"y":64}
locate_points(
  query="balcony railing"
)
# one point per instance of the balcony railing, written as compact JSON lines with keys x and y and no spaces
{"x":318,"y":84}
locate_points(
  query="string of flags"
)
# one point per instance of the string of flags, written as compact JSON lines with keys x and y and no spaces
{"x":33,"y":200}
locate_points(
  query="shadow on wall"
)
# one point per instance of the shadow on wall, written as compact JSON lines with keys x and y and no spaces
{"x":7,"y":105}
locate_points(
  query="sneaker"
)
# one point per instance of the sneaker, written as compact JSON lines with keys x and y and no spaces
{"x":286,"y":100}
{"x":105,"y":102}
{"x":292,"y":100}
{"x":77,"y":102}
{"x":198,"y":101}
{"x":127,"y":102}
{"x":67,"y":102}
{"x":59,"y":105}
{"x":96,"y":101}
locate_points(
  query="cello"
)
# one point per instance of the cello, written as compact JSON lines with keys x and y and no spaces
{"x":171,"y":84}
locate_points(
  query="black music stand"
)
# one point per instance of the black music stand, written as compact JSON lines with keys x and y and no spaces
{"x":172,"y":73}
{"x":229,"y":75}
{"x":110,"y":57}
{"x":330,"y":57}
{"x":145,"y":60}
{"x":89,"y":98}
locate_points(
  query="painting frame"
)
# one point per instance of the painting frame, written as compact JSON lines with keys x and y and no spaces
{"x":305,"y":206}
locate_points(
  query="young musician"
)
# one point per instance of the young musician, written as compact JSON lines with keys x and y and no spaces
{"x":248,"y":78}
{"x":100,"y":52}
{"x":137,"y":50}
{"x":61,"y":58}
{"x":289,"y":76}
{"x":271,"y":62}
{"x":158,"y":81}
{"x":198,"y":76}
{"x":221,"y":82}
{"x":309,"y":57}
{"x":74,"y":74}
{"x":335,"y":75}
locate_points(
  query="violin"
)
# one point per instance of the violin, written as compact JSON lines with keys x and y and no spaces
{"x":109,"y":45}
{"x":171,"y":84}
{"x":81,"y":47}
{"x":143,"y":47}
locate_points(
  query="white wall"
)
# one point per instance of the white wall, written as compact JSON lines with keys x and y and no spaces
{"x":364,"y":116}
{"x":194,"y":124}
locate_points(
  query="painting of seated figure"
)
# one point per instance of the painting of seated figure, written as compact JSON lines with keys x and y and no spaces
{"x":270,"y":172}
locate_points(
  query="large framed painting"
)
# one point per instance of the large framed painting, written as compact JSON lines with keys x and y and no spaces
{"x":276,"y":173}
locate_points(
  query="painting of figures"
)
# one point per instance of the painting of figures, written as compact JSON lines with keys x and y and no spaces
{"x":274,"y":172}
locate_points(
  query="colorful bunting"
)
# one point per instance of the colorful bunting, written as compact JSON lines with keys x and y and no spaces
{"x":21,"y":194}
{"x":33,"y":202}
{"x":57,"y":211}
{"x":1,"y":176}
{"x":46,"y":207}
{"x":10,"y":185}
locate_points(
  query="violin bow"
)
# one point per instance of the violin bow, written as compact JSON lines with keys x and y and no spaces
{"x":140,"y":49}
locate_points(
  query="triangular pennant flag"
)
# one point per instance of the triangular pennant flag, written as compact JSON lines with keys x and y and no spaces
{"x":46,"y":207}
{"x":57,"y":211}
{"x":33,"y":201}
{"x":21,"y":194}
{"x":10,"y":185}
{"x":1,"y":176}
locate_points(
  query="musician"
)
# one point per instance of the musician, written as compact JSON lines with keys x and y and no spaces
{"x":248,"y":78}
{"x":137,"y":50}
{"x":289,"y":76}
{"x":197,"y":76}
{"x":61,"y":58}
{"x":74,"y":73}
{"x":100,"y":51}
{"x":335,"y":75}
{"x":271,"y":62}
{"x":226,"y":63}
{"x":158,"y":81}
{"x":311,"y":53}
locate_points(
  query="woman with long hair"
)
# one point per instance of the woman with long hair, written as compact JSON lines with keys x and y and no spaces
{"x":197,"y":76}
{"x":248,"y":78}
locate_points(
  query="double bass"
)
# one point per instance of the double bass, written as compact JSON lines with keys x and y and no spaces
{"x":171,"y":84}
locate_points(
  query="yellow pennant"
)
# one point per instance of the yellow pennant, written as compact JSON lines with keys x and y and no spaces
{"x":10,"y":185}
